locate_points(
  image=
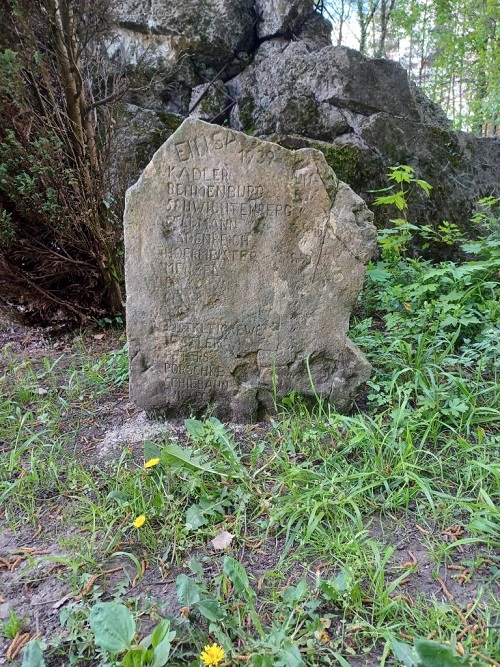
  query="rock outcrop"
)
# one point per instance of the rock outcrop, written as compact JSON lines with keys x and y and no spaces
{"x":268,"y":68}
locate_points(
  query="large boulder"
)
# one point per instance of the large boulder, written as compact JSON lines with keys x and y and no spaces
{"x":268,"y":68}
{"x":364,"y":115}
{"x":211,"y":32}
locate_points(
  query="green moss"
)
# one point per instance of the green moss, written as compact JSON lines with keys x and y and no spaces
{"x":246,"y":107}
{"x":302,"y":115}
{"x":344,"y":160}
{"x":447,"y":141}
{"x":150,"y":139}
{"x":170,"y":121}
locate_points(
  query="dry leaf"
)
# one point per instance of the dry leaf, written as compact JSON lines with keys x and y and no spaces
{"x":98,"y":336}
{"x":62,"y":601}
{"x":223,"y":540}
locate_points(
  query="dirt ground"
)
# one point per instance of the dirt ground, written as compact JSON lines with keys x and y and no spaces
{"x":37,"y":584}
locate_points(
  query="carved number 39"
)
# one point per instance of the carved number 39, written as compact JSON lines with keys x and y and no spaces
{"x":265,"y":155}
{"x":261,"y":155}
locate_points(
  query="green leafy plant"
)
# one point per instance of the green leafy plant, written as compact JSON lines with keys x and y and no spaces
{"x":12,"y":625}
{"x":33,"y":655}
{"x":114,"y":629}
{"x":394,"y":240}
{"x":427,"y":653}
{"x":447,"y":233}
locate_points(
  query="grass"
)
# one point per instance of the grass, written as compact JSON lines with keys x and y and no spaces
{"x":317,"y":501}
{"x":369,"y":538}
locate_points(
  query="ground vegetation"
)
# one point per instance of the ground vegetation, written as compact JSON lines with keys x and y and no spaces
{"x":311,"y":538}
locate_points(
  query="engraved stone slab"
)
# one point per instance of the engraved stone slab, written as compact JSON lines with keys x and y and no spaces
{"x":243,"y":263}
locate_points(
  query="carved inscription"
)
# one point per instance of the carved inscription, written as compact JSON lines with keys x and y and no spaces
{"x":238,"y":286}
{"x":210,"y":217}
{"x":200,"y":147}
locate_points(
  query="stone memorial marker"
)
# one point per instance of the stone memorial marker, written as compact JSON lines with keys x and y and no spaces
{"x":243,"y":263}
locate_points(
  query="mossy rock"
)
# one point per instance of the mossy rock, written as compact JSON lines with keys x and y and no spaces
{"x":150,"y":135}
{"x":343,"y":159}
{"x":170,"y":121}
{"x":246,"y":107}
{"x":347,"y":161}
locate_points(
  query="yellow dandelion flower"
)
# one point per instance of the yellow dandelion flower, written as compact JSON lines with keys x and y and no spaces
{"x":140,"y":521}
{"x":212,"y":655}
{"x":151,"y":463}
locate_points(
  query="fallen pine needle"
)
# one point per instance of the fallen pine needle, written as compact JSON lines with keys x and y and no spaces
{"x":487,"y":658}
{"x":139,"y":576}
{"x":412,"y":563}
{"x":15,"y":562}
{"x":405,"y":598}
{"x":422,"y":530}
{"x":465,"y":631}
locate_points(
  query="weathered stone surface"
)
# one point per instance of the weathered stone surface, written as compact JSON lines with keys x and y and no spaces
{"x":243,"y":263}
{"x":334,"y":77}
{"x":364,"y":115}
{"x":138,"y":134}
{"x":210,"y":102}
{"x":291,"y":86}
{"x":211,"y":31}
{"x":279,"y":17}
